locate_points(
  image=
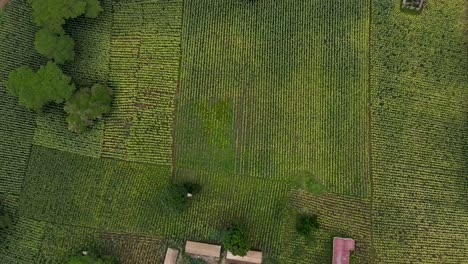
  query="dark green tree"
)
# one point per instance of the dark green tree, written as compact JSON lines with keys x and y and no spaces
{"x":306,"y":224}
{"x":60,"y":48}
{"x":87,"y":105}
{"x":51,"y":14}
{"x":236,"y":240}
{"x":175,"y":199}
{"x":93,"y":8}
{"x":35,"y":89}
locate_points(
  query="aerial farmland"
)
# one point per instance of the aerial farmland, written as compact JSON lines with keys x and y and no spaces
{"x":216,"y":131}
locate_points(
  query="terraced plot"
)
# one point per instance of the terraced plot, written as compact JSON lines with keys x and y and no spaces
{"x":419,"y":124}
{"x":276,"y":89}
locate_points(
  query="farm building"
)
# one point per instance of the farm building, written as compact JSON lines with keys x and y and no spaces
{"x":252,"y":257}
{"x":342,"y":248}
{"x":204,"y":250}
{"x":413,"y":4}
{"x":171,"y":256}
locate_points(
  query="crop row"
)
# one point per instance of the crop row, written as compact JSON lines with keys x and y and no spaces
{"x":419,"y":129}
{"x":61,"y":241}
{"x":297,"y":87}
{"x":144,"y":65}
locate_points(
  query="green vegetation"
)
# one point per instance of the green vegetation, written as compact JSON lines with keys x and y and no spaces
{"x":352,"y":113}
{"x":56,"y":47}
{"x":36,"y":89}
{"x":236,"y":240}
{"x":5,"y":218}
{"x":86,"y":105}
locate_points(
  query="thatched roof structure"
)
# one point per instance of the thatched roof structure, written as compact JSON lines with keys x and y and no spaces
{"x":202,"y":249}
{"x":252,"y":257}
{"x":171,"y":256}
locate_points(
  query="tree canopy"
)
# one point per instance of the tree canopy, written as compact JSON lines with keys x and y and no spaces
{"x":60,"y":48}
{"x":51,"y":14}
{"x":174,"y":198}
{"x":35,"y":89}
{"x":87,"y":105}
{"x":236,"y":240}
{"x":306,"y":224}
{"x":5,"y":219}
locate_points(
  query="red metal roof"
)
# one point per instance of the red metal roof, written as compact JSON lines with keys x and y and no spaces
{"x":342,"y":248}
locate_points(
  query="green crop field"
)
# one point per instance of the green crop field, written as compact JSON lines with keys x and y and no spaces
{"x":245,"y":97}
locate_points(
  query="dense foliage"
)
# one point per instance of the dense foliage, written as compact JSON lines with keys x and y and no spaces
{"x":174,"y":198}
{"x":36,"y":89}
{"x":60,"y":48}
{"x":52,"y":14}
{"x":236,"y":240}
{"x":87,"y":105}
{"x":307,"y":224}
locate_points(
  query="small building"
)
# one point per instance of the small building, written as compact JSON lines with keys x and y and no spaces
{"x":342,"y":248}
{"x":171,"y":256}
{"x":202,"y":249}
{"x":413,"y":4}
{"x":252,"y":257}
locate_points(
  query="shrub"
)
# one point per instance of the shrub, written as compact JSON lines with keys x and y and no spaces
{"x":174,"y":198}
{"x":34,"y":90}
{"x":87,"y":105}
{"x":60,"y":48}
{"x":192,"y":188}
{"x":306,"y":224}
{"x":196,"y":261}
{"x":236,"y":240}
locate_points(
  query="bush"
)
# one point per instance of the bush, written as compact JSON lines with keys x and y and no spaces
{"x":236,"y":240}
{"x":306,"y":224}
{"x":60,"y":48}
{"x":192,"y":188}
{"x":87,"y":105}
{"x":34,"y":90}
{"x":196,"y":261}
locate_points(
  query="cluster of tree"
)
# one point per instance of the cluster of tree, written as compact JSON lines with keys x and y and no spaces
{"x":90,"y":257}
{"x":236,"y":240}
{"x":49,"y":83}
{"x":176,"y":198}
{"x":50,"y":16}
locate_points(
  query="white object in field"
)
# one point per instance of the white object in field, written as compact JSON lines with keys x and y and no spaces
{"x":189,"y":195}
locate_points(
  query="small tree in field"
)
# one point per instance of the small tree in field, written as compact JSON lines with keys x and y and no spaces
{"x":60,"y":48}
{"x":36,"y":89}
{"x":176,"y":198}
{"x":306,"y":224}
{"x":87,"y":105}
{"x":236,"y":240}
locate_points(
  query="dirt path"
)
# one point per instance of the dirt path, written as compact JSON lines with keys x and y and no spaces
{"x":3,"y":3}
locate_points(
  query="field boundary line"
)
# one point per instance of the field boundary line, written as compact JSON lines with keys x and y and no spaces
{"x":371,"y":176}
